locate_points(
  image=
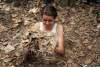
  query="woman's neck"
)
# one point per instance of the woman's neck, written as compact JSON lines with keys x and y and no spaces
{"x":49,"y":28}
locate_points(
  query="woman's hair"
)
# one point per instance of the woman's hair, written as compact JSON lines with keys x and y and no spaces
{"x":49,"y":10}
{"x":48,"y":2}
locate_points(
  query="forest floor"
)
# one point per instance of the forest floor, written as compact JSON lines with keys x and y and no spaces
{"x":81,"y":35}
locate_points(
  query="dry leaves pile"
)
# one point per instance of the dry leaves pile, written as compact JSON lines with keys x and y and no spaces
{"x":82,"y":38}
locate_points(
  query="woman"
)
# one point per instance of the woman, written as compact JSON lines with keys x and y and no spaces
{"x":50,"y":34}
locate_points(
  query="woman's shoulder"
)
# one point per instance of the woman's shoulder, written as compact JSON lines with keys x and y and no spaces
{"x":60,"y":28}
{"x":60,"y":25}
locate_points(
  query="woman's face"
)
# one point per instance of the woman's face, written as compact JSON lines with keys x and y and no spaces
{"x":48,"y":20}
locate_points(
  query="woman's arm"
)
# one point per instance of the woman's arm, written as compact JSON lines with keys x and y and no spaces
{"x":60,"y":47}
